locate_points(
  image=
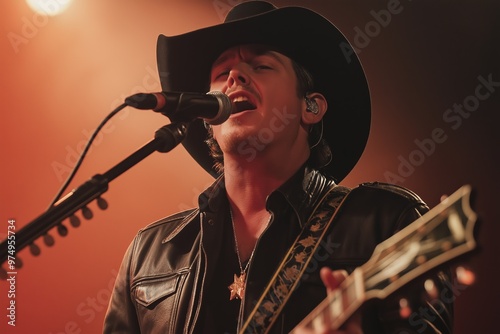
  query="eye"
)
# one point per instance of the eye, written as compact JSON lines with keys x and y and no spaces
{"x":262,"y":67}
{"x":221,"y":74}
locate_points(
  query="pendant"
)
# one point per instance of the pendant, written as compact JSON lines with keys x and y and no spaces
{"x":238,"y":287}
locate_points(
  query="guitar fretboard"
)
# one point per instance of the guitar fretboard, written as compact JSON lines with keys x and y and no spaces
{"x":339,"y":305}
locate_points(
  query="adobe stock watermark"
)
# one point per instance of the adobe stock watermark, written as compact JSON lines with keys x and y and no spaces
{"x":88,"y":309}
{"x":251,"y":146}
{"x":325,"y":251}
{"x":31,"y":26}
{"x":453,"y":118}
{"x":254,"y":144}
{"x":372,"y":29}
{"x":419,"y":319}
{"x":62,"y":169}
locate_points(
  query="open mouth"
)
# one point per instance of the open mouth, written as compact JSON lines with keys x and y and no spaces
{"x":241,"y":103}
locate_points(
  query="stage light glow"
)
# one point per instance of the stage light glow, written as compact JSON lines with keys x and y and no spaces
{"x":49,"y":7}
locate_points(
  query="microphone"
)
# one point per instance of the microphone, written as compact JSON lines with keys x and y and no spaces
{"x":214,"y":107}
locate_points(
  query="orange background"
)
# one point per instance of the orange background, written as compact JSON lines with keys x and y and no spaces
{"x":64,"y":74}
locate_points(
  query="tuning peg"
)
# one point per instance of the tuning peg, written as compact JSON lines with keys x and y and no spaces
{"x":431,"y":289}
{"x":34,"y":249}
{"x":19,"y":262}
{"x":465,"y":276}
{"x":87,"y":213}
{"x":404,"y":308}
{"x":74,"y":221}
{"x":3,"y":274}
{"x":62,"y":230}
{"x":48,"y":240}
{"x":102,"y":203}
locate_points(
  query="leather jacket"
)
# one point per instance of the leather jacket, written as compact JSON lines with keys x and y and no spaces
{"x":168,"y":266}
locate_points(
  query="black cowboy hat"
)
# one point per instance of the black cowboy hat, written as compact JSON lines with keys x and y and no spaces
{"x":184,"y":64}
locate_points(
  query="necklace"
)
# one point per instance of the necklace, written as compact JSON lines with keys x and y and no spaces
{"x":237,"y":288}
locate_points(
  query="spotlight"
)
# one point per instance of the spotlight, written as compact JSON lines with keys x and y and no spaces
{"x":49,"y":7}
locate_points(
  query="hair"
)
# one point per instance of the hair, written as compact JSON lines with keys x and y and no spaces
{"x":320,"y":151}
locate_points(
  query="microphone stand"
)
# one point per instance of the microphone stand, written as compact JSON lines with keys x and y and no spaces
{"x":166,"y":138}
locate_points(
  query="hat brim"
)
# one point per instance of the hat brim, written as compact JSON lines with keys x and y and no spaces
{"x":184,"y":64}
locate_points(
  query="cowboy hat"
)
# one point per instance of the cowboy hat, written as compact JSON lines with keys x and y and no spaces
{"x":184,"y":64}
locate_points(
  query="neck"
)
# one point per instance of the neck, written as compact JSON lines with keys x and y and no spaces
{"x":248,"y":184}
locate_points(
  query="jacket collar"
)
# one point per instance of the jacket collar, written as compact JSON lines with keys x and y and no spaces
{"x":300,"y":192}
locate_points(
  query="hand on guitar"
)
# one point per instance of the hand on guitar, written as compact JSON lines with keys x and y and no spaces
{"x":332,"y":280}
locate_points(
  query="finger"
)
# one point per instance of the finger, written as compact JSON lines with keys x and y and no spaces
{"x":332,"y":279}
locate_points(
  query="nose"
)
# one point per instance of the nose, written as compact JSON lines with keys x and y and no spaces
{"x":237,"y":76}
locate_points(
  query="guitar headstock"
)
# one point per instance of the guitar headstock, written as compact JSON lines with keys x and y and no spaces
{"x":441,"y":235}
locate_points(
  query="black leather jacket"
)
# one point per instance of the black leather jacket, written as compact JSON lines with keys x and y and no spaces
{"x":168,"y":266}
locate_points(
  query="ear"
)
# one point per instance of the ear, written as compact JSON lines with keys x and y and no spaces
{"x":308,"y":116}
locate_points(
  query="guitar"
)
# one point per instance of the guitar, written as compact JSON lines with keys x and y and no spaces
{"x":441,"y":235}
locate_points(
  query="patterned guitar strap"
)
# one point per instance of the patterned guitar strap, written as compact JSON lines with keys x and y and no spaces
{"x":294,"y":264}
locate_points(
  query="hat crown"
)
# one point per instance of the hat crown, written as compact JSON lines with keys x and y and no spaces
{"x":247,"y":9}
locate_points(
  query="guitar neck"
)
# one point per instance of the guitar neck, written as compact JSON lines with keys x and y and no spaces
{"x":339,"y":305}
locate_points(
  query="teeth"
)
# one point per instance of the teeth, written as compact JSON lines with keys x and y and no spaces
{"x":240,"y":99}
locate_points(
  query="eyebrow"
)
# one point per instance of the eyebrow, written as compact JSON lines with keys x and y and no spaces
{"x":220,"y":60}
{"x":272,"y":54}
